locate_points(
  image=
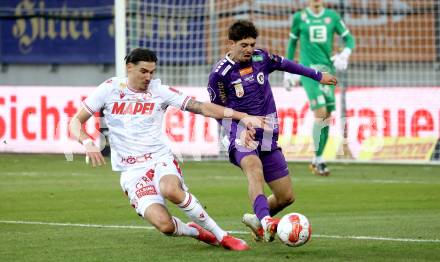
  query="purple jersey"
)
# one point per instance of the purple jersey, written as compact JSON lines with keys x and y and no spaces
{"x":245,"y":87}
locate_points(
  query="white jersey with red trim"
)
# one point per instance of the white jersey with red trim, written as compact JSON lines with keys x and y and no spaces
{"x":134,"y":120}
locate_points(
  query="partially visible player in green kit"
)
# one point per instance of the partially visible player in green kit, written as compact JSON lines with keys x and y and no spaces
{"x":315,"y":27}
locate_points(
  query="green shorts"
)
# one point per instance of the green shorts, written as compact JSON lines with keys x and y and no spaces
{"x":319,"y":95}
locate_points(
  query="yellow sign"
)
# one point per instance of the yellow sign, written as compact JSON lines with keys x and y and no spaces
{"x":302,"y":147}
{"x":397,"y":148}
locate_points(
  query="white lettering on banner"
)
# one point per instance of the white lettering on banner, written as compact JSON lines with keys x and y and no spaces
{"x":412,"y":112}
{"x":34,"y":119}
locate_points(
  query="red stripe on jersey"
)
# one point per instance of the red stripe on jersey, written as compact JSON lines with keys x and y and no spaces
{"x":177,"y":167}
{"x":174,"y":90}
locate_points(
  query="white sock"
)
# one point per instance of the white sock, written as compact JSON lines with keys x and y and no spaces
{"x":182,"y":229}
{"x":194,"y":210}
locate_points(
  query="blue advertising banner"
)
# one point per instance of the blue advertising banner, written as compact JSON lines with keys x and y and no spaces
{"x":53,"y":31}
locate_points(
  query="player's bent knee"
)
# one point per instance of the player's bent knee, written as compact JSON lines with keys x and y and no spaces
{"x":286,"y":201}
{"x":290,"y":200}
{"x":171,"y":191}
{"x":166,"y":228}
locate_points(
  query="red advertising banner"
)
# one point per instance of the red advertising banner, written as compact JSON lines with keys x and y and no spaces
{"x":34,"y":119}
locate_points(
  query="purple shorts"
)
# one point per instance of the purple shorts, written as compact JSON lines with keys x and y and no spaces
{"x":274,"y":163}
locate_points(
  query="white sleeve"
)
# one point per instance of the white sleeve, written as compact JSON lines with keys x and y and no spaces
{"x":96,"y":100}
{"x":173,"y":97}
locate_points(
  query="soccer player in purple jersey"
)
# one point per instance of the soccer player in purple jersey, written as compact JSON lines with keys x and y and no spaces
{"x":241,"y":81}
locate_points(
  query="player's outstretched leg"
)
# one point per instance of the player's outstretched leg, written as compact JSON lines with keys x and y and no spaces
{"x":171,"y":188}
{"x":233,"y":243}
{"x":204,"y":235}
{"x":194,"y":210}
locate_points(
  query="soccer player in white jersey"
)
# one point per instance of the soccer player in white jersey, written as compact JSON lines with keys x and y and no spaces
{"x":133,"y":108}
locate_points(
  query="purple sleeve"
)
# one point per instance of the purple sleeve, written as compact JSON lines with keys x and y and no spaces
{"x":216,"y":89}
{"x":294,"y":68}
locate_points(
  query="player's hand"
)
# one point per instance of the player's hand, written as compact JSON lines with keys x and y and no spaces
{"x":290,"y":80}
{"x":340,"y":61}
{"x":252,"y":122}
{"x":94,"y":154}
{"x":328,"y":79}
{"x":247,"y":138}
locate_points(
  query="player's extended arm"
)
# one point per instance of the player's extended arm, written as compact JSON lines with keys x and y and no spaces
{"x":294,"y":68}
{"x":220,"y":112}
{"x":76,"y":129}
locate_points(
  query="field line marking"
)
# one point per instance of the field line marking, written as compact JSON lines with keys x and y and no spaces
{"x":73,"y":225}
{"x":380,"y":238}
{"x":232,"y":232}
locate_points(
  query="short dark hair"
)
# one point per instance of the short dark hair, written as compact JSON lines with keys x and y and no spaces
{"x":140,"y":54}
{"x":242,"y":29}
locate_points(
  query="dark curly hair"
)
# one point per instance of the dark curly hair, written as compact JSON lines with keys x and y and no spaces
{"x":242,"y":29}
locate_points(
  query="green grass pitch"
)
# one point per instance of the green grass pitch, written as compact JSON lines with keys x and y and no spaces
{"x":361,"y":212}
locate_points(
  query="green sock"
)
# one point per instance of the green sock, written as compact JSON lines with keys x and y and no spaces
{"x":320,"y":137}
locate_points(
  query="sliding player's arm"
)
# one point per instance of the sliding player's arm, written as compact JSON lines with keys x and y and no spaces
{"x":76,"y":129}
{"x":93,"y":103}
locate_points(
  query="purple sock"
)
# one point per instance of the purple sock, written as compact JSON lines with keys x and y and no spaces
{"x":261,"y":207}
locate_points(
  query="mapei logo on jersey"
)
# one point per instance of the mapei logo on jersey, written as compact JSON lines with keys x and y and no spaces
{"x":246,"y":71}
{"x":132,"y":108}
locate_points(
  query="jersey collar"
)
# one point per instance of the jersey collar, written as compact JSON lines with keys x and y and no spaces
{"x":313,"y":14}
{"x":152,"y":83}
{"x":229,"y":59}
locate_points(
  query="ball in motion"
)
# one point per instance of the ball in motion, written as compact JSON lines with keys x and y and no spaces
{"x":294,"y":229}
